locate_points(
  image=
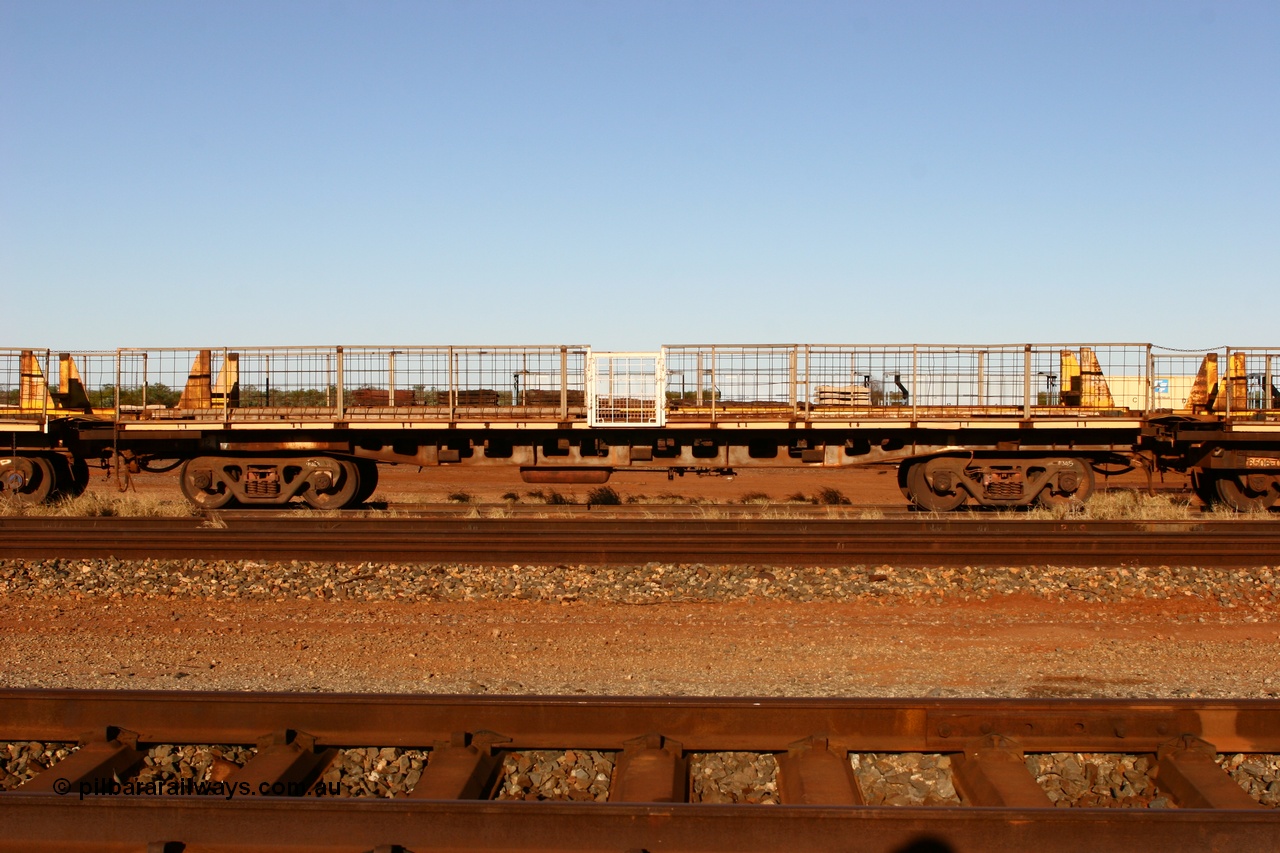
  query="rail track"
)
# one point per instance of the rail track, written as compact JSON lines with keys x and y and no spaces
{"x":86,"y":802}
{"x":900,"y":542}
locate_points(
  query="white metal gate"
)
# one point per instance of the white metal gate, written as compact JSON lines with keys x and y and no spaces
{"x":626,"y":389}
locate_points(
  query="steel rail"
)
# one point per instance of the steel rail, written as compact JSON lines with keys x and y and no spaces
{"x":900,"y":542}
{"x":775,"y":510}
{"x":981,"y":735}
{"x":700,"y":724}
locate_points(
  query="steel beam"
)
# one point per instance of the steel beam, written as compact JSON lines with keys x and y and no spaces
{"x":1186,"y":770}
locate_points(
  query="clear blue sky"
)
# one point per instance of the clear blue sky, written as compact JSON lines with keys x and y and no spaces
{"x":628,"y":174}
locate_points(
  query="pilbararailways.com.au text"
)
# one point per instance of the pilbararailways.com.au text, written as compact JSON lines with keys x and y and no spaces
{"x":192,"y":788}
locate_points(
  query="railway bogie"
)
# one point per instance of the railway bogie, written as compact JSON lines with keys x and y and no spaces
{"x":324,"y":482}
{"x":996,"y":426}
{"x":945,"y":483}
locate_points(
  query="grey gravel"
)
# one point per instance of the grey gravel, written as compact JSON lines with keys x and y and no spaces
{"x":197,"y":762}
{"x":651,"y":583}
{"x":21,"y":760}
{"x":1093,"y":780}
{"x":535,"y":774}
{"x":374,"y":771}
{"x":1259,"y":775}
{"x":904,"y":779}
{"x":733,"y":777}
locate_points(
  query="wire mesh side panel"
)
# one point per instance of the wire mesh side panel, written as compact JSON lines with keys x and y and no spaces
{"x":626,"y":389}
{"x":1043,"y":380}
{"x":1252,"y":382}
{"x":1121,"y":380}
{"x":520,"y":382}
{"x":353,"y":383}
{"x":292,"y":382}
{"x":230,"y":384}
{"x":442,"y":383}
{"x":1184,"y":382}
{"x":915,"y":380}
{"x":843,"y":380}
{"x":82,"y":382}
{"x":144,"y":383}
{"x":24,"y":390}
{"x":730,"y":380}
{"x":699,"y":381}
{"x":911,"y":380}
{"x":379,"y":381}
{"x":10,"y":382}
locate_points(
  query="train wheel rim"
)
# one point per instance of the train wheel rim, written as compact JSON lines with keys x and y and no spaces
{"x":368,"y":470}
{"x":79,"y":475}
{"x":1205,"y":488}
{"x":1075,"y":500}
{"x":904,"y":469}
{"x":66,"y":480}
{"x":40,"y":487}
{"x":343,"y":494}
{"x":1241,"y":498}
{"x":923,"y":495}
{"x":201,"y":497}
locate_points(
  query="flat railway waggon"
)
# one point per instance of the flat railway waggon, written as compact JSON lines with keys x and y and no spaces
{"x":998,"y":426}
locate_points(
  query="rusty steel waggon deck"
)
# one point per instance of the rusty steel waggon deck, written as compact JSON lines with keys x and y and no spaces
{"x":1003,"y":425}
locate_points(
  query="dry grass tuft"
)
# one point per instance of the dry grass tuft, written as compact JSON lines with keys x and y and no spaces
{"x":550,"y":497}
{"x":832,"y":497}
{"x":1124,"y":505}
{"x":667,"y":499}
{"x":95,"y":505}
{"x":603,"y":496}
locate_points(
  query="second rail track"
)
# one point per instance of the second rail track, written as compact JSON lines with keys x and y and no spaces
{"x":75,"y":805}
{"x":899,"y":542}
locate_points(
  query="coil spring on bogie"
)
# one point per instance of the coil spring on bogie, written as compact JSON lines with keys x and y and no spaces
{"x":262,"y":482}
{"x":1004,"y":490}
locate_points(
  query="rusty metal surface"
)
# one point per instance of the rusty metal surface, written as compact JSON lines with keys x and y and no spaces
{"x":404,"y":825}
{"x":697,"y":724}
{"x":901,"y":542}
{"x":647,"y":811}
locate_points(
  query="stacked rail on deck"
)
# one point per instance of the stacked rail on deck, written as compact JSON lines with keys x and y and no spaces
{"x":1000,"y":425}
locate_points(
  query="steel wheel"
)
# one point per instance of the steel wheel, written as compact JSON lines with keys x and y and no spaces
{"x":342,"y":493}
{"x":368,"y":471}
{"x":1205,"y":487}
{"x":79,"y":475}
{"x":904,"y":468}
{"x":206,"y":495}
{"x":921,"y":479}
{"x":69,"y":477}
{"x":1248,"y":492}
{"x":34,"y":488}
{"x":1062,"y":499}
